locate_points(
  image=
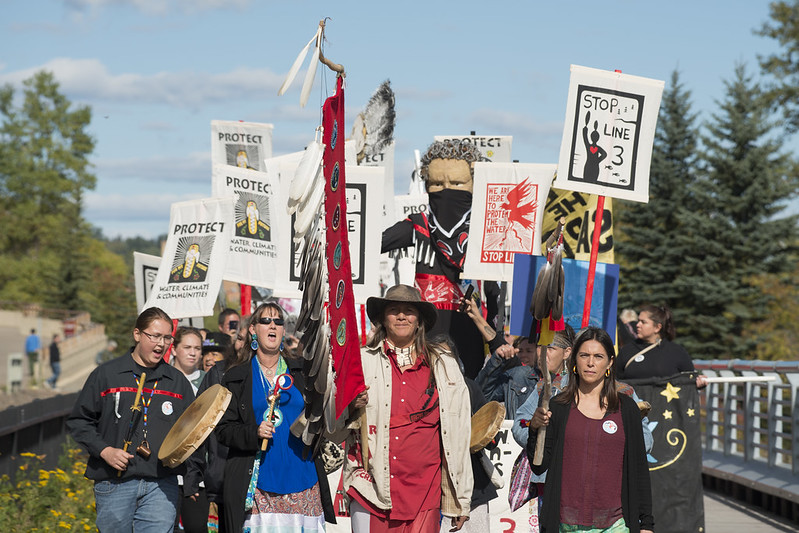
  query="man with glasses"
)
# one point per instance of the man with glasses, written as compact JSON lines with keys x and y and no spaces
{"x":133,"y":490}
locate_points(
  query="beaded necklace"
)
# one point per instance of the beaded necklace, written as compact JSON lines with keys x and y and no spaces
{"x":404,"y":355}
{"x":269,"y":385}
{"x":144,"y":447}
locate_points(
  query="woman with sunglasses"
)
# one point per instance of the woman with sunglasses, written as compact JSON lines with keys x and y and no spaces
{"x":279,"y":488}
{"x":133,"y":490}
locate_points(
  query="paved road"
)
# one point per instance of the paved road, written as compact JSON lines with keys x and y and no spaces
{"x":724,"y":514}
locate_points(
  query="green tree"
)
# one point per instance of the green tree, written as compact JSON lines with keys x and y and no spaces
{"x":750,"y":179}
{"x":783,"y":66}
{"x":48,"y":252}
{"x":44,"y":146}
{"x":660,"y":245}
{"x":777,"y":333}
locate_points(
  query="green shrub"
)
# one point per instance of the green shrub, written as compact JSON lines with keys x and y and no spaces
{"x":57,"y":500}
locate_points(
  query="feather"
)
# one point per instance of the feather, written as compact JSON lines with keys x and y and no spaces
{"x":306,"y":175}
{"x":307,"y":85}
{"x":330,"y":402}
{"x":309,"y":209}
{"x":320,"y":360}
{"x":379,"y":118}
{"x":297,"y":63}
{"x":373,"y":129}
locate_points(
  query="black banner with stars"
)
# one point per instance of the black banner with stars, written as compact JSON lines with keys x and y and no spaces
{"x":675,"y":462}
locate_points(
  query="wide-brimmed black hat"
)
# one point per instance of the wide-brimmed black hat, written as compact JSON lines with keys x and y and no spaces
{"x":216,"y":341}
{"x":375,"y":307}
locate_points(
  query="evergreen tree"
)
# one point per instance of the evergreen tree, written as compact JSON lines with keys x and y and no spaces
{"x":750,"y":179}
{"x":44,"y":147}
{"x":783,"y":66}
{"x":659,"y":246}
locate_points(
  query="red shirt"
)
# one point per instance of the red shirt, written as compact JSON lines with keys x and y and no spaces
{"x":415,"y":447}
{"x":593,"y":456}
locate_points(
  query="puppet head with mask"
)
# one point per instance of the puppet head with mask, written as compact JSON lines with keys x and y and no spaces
{"x":448,"y":171}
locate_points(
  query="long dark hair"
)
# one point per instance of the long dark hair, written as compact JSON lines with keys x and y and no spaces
{"x":608,"y":396}
{"x":661,"y":314}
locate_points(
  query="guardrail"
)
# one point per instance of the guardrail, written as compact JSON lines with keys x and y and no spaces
{"x":751,"y":432}
{"x":38,"y":427}
{"x":757,"y":422}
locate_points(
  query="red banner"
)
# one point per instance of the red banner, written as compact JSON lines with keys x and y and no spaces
{"x":345,"y":348}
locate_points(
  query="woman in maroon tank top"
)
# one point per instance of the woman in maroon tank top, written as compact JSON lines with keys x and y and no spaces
{"x":598,"y":479}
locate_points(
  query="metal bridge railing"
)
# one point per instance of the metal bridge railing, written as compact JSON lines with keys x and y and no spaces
{"x":757,"y":422}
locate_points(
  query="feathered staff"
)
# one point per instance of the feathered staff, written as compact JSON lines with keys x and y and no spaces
{"x":324,"y":274}
{"x":316,"y":58}
{"x":547,"y":310}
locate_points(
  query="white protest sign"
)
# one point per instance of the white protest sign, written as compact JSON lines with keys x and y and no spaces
{"x":240,"y":144}
{"x":282,"y":169}
{"x":364,"y":222}
{"x":407,"y":204}
{"x":608,"y":134}
{"x":507,"y":209}
{"x":145,"y":269}
{"x":194,"y":258}
{"x":400,"y":266}
{"x":256,"y":221}
{"x":364,"y":217}
{"x":495,"y":148}
{"x":385,"y":160}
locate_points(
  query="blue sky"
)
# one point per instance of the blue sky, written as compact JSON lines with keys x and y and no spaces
{"x":156,"y":72}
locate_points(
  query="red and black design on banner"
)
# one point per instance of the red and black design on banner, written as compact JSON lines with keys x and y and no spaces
{"x":345,"y":345}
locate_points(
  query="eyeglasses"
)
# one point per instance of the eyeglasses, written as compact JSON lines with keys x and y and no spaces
{"x":168,"y":339}
{"x":268,"y":320}
{"x":233,"y":325}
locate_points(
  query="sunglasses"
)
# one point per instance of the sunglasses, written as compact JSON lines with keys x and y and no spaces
{"x":266,"y":320}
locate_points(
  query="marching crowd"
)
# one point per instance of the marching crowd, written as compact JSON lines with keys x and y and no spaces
{"x":414,"y":472}
{"x":432,"y":359}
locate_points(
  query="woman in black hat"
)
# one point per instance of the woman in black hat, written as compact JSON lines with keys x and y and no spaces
{"x":417,"y":411}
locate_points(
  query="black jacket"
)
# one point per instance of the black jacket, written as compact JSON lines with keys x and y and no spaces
{"x":238,"y":431}
{"x":101,"y":415}
{"x":211,"y":467}
{"x":636,"y":494}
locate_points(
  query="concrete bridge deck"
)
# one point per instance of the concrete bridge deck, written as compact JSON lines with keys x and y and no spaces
{"x":724,"y":514}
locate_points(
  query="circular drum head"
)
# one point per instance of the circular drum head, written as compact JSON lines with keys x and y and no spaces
{"x":486,"y":422}
{"x":194,"y":426}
